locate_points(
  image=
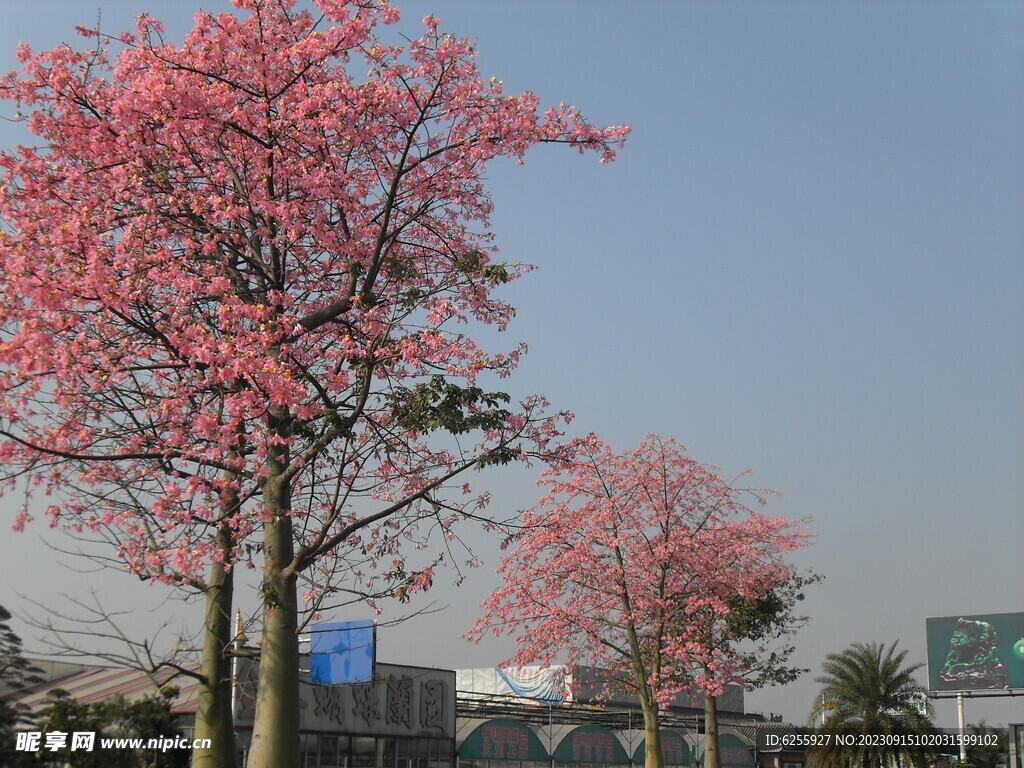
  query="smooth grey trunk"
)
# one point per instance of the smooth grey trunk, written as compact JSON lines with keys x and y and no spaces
{"x":214,"y":718}
{"x":275,"y":735}
{"x":653,"y":756}
{"x":712,"y":758}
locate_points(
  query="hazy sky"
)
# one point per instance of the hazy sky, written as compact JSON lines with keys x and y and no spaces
{"x":807,"y":261}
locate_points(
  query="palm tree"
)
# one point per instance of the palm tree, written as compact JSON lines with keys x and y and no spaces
{"x":991,"y":747}
{"x":868,"y":695}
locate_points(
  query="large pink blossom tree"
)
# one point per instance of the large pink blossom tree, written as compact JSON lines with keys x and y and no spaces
{"x":236,"y":281}
{"x":622,"y":561}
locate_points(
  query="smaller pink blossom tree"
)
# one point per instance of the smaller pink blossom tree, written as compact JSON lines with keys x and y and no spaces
{"x":620,"y":563}
{"x":754,"y":631}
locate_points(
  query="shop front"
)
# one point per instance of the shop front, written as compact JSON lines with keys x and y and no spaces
{"x":405,"y":718}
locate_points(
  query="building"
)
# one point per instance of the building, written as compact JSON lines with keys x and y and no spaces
{"x":417,"y":717}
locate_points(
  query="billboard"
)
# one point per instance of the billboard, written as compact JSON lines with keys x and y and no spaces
{"x":342,"y":652}
{"x":401,"y":701}
{"x":976,"y":653}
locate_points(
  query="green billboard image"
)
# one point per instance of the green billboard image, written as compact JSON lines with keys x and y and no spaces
{"x":976,"y":653}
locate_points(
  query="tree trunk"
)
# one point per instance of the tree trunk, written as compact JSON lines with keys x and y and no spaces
{"x":653,"y":756}
{"x":276,"y":726}
{"x":275,"y":734}
{"x":214,"y":718}
{"x":712,"y":758}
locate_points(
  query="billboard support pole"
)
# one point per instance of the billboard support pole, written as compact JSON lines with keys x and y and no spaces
{"x":236,"y":644}
{"x":963,"y":728}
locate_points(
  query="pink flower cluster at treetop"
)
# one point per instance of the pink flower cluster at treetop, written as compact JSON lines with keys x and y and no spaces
{"x":249,"y":255}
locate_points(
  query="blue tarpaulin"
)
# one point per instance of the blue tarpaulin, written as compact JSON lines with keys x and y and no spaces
{"x":342,"y":652}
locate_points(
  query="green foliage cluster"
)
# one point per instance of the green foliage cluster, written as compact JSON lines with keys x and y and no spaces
{"x":986,"y":754}
{"x":763,"y":621}
{"x":145,"y":719}
{"x":149,"y":718}
{"x":16,"y":673}
{"x":438,"y":404}
{"x":472,"y":263}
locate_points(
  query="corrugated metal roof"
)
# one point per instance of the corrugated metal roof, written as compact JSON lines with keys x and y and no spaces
{"x":91,"y":684}
{"x":761,"y":732}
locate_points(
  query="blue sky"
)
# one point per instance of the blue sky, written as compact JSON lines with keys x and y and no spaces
{"x":807,"y":260}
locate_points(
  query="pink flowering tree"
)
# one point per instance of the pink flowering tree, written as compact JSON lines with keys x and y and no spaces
{"x":753,"y":631}
{"x":238,"y":277}
{"x":621,"y":561}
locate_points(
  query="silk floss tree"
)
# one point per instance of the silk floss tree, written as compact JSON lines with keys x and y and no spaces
{"x":234,"y":278}
{"x":753,"y":629}
{"x":619,"y":564}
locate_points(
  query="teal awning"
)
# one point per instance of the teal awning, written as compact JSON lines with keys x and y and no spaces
{"x":733,"y":752}
{"x":503,"y":739}
{"x":675,"y":750}
{"x":591,"y":744}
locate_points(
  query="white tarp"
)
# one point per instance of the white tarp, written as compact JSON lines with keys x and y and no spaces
{"x":555,"y":685}
{"x":547,"y":684}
